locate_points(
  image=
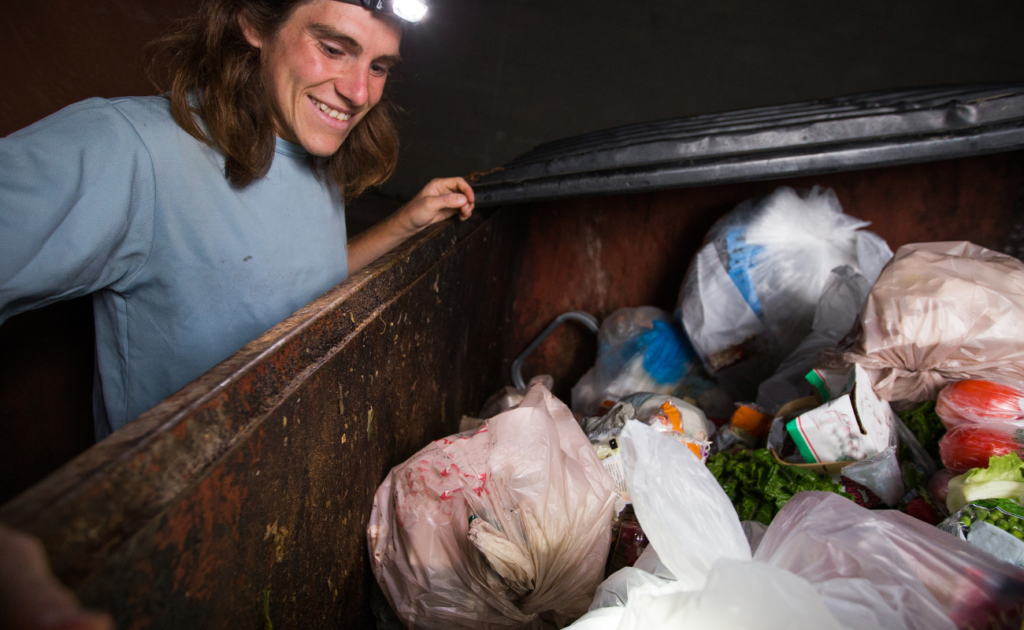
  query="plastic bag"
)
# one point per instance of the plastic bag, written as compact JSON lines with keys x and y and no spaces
{"x":975,"y":401}
{"x":841,"y":300}
{"x":702,"y":563}
{"x":495,"y":528}
{"x":684,"y":512}
{"x":971,"y":445}
{"x":942,"y":312}
{"x":509,"y":397}
{"x":750,"y":295}
{"x":902,"y":568}
{"x":995,"y":525}
{"x":639,"y":350}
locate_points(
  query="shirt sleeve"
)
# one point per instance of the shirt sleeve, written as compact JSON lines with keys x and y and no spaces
{"x":77,"y":198}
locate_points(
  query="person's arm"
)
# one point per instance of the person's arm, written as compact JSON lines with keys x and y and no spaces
{"x":76,"y":206}
{"x":439,"y":200}
{"x":31,"y":598}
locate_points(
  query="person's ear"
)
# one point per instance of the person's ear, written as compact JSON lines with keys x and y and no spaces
{"x":250,"y":34}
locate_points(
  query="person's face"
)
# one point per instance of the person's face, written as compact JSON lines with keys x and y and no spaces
{"x":326,"y":67}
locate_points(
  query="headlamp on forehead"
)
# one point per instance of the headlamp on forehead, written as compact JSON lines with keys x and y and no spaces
{"x":408,"y":10}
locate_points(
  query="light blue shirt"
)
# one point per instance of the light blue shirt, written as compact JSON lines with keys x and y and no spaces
{"x":113,"y":198}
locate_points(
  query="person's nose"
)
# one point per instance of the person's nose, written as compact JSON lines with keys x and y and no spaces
{"x":354,"y":86}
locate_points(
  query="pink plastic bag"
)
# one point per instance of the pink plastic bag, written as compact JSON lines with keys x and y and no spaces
{"x":496,"y":528}
{"x":927,"y":575}
{"x":975,"y":401}
{"x":942,"y":312}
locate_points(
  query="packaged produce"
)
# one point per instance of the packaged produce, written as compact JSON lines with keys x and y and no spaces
{"x":926,"y":426}
{"x":941,"y":312}
{"x":759,"y":486}
{"x":639,"y":350}
{"x":751,"y":293}
{"x":972,"y":445}
{"x":498,"y":527}
{"x":974,"y":401}
{"x":1002,"y":479}
{"x":995,"y":525}
{"x":854,"y":425}
{"x":630,"y":542}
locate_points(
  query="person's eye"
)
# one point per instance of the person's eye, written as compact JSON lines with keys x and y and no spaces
{"x":331,"y":51}
{"x":379,"y":69}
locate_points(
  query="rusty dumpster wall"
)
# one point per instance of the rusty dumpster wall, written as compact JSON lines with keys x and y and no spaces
{"x":257,"y":479}
{"x":598,"y":254}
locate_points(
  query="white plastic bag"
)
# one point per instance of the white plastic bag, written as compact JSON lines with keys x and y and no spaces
{"x":494,"y":528}
{"x":942,"y":312}
{"x":749,"y":298}
{"x":701,"y":575}
{"x":684,"y":512}
{"x":639,"y":350}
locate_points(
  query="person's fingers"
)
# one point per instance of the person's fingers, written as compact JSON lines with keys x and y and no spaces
{"x":31,"y":597}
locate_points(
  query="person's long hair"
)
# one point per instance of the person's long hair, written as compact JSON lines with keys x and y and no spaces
{"x":210,"y":71}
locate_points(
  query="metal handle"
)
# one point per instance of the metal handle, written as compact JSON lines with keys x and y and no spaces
{"x":582,"y":317}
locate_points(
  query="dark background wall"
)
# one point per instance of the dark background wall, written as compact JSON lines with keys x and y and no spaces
{"x":484,"y":81}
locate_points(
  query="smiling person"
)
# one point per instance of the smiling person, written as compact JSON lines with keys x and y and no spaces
{"x":200,"y":219}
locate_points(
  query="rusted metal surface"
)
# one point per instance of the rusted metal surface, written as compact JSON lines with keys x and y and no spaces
{"x":259,"y":475}
{"x":598,"y":254}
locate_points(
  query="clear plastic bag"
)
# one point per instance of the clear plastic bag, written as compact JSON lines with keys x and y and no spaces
{"x":974,"y":401}
{"x":906,"y":571}
{"x":639,"y":350}
{"x":495,"y":528}
{"x":749,"y":297}
{"x":841,"y":300}
{"x":995,"y":525}
{"x":942,"y":312}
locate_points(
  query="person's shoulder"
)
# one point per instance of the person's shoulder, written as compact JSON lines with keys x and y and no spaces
{"x":93,"y":126}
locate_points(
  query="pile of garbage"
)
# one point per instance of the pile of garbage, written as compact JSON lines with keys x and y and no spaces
{"x":823,"y":434}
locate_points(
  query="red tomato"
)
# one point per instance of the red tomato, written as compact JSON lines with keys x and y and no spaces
{"x":976,"y":401}
{"x":970,"y":445}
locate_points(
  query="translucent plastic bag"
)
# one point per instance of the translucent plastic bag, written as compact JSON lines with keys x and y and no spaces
{"x":942,"y":312}
{"x":883,"y":564}
{"x":841,"y":300}
{"x":749,"y":297}
{"x":496,"y":528}
{"x":975,"y":401}
{"x":639,"y":350}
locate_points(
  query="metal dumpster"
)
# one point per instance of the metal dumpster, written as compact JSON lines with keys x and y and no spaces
{"x":246,"y":494}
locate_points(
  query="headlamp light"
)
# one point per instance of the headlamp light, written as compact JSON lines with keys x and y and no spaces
{"x":408,"y":10}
